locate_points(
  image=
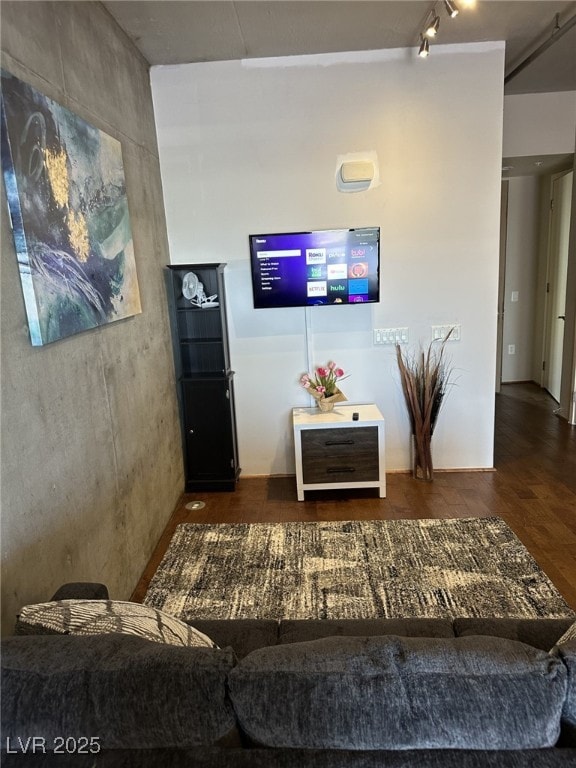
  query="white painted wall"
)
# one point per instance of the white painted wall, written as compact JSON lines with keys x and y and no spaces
{"x":251,"y":147}
{"x":539,"y":124}
{"x":522,"y":251}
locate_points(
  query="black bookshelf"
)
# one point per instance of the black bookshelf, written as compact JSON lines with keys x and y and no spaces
{"x":204,"y":377}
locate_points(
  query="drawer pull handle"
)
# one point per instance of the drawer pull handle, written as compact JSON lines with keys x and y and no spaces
{"x":339,"y":442}
{"x":336,"y":470}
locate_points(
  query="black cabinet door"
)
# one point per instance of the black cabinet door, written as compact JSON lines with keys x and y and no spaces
{"x":210,"y":439}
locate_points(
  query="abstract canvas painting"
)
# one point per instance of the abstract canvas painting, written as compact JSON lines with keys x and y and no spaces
{"x":66,"y":194}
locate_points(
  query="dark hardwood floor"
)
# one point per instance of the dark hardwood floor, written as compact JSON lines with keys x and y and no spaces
{"x":533,"y":488}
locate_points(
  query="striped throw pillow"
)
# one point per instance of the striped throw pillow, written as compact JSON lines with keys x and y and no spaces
{"x":98,"y":617}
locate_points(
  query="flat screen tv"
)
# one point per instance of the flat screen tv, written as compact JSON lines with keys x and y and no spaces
{"x":329,"y":266}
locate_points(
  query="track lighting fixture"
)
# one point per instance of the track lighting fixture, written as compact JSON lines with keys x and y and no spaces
{"x":451,"y":8}
{"x":432,"y":22}
{"x":433,"y":26}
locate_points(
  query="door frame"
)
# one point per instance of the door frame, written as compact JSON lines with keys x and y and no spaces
{"x":553,"y":283}
{"x":567,"y":360}
{"x":501,"y":281}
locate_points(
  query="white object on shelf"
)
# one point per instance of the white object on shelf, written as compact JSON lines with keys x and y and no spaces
{"x":193,"y":290}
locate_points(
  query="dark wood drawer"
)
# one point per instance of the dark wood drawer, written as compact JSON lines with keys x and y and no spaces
{"x":347,"y":454}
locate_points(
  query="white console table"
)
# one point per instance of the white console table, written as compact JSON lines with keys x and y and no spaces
{"x":333,"y":450}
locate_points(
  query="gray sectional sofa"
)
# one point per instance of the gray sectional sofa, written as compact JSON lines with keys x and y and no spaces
{"x":392,"y":693}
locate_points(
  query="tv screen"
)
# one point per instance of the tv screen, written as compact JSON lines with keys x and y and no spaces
{"x":330,"y":266}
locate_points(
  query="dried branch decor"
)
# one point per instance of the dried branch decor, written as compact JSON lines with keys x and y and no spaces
{"x":425,"y":381}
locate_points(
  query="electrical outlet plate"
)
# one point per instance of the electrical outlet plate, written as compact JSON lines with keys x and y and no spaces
{"x":391,"y":336}
{"x":440,"y":332}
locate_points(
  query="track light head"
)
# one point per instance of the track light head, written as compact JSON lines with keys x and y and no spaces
{"x":432,"y":22}
{"x":433,"y":26}
{"x":451,"y":8}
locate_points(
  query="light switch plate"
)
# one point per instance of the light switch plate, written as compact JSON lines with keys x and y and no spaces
{"x":440,"y":332}
{"x":391,"y":335}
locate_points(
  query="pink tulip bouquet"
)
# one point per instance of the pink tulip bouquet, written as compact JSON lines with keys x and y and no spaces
{"x":323,"y":385}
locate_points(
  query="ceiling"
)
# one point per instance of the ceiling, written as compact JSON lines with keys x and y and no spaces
{"x":185,"y":31}
{"x":539,"y":165}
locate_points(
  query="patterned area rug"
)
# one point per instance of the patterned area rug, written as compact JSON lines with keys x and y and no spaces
{"x":347,"y":570}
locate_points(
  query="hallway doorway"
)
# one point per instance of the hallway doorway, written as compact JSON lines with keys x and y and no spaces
{"x":556,"y":282}
{"x":534,"y":264}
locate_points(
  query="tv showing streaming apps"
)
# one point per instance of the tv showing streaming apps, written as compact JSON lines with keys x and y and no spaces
{"x":328,"y":266}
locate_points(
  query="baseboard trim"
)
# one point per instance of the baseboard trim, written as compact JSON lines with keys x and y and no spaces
{"x":388,"y":472}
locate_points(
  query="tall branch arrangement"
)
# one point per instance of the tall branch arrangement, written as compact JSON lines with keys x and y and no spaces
{"x":425,"y":381}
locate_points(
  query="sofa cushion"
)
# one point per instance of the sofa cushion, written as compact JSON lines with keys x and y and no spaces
{"x":81,"y":590}
{"x":242,"y":635}
{"x":541,"y":633}
{"x":98,"y":617}
{"x":400,"y":693}
{"x":566,"y":650}
{"x":300,"y":630}
{"x":125,"y":691}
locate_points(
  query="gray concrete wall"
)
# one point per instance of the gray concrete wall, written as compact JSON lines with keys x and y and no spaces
{"x":91,"y":451}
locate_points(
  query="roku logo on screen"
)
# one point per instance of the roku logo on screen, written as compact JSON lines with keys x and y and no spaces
{"x":315,"y":255}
